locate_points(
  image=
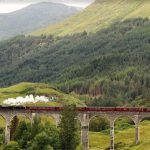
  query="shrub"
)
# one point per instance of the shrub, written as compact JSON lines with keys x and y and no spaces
{"x":12,"y":146}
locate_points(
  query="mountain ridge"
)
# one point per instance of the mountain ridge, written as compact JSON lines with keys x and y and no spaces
{"x":33,"y":17}
{"x":99,"y":15}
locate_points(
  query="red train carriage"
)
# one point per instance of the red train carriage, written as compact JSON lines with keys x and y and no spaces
{"x":45,"y":108}
{"x":106,"y":109}
{"x":81,"y":109}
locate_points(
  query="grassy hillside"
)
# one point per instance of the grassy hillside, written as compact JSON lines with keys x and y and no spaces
{"x":23,"y":89}
{"x":99,"y":15}
{"x":124,"y":139}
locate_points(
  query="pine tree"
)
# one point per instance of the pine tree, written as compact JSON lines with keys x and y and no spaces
{"x":68,"y":128}
{"x":13,"y":126}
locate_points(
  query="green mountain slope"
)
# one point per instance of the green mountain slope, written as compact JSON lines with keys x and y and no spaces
{"x":38,"y":89}
{"x":112,"y":64}
{"x":99,"y":15}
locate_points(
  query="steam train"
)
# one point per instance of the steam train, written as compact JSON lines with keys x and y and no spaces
{"x":81,"y":109}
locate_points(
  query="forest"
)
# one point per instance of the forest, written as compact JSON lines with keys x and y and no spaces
{"x":111,"y":65}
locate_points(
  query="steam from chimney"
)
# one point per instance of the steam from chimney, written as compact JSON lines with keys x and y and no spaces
{"x":27,"y":99}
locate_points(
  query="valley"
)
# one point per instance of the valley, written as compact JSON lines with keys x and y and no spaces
{"x":55,"y":55}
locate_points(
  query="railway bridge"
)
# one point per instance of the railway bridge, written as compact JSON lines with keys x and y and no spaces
{"x":85,"y":114}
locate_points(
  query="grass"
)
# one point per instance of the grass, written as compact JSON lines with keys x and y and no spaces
{"x":99,"y":15}
{"x":25,"y":88}
{"x":123,"y":138}
{"x":98,"y":141}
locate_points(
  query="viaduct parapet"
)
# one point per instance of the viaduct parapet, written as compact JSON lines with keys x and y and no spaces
{"x":84,"y":115}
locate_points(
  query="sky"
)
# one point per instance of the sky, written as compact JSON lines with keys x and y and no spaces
{"x":7,"y":6}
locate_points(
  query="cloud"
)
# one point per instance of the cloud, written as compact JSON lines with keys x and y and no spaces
{"x":7,"y":6}
{"x":35,"y":1}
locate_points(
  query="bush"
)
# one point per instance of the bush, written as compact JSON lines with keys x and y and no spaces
{"x":41,"y":142}
{"x":12,"y":146}
{"x":98,"y":124}
{"x":23,"y":134}
{"x":38,"y":135}
{"x":124,"y":123}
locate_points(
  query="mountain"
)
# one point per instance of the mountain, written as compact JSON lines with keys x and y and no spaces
{"x":33,"y":17}
{"x":101,"y":14}
{"x":112,"y":63}
{"x":39,"y":89}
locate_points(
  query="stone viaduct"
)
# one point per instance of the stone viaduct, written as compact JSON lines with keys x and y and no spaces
{"x":84,"y":115}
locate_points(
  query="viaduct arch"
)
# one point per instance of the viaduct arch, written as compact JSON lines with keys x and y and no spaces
{"x":84,"y":115}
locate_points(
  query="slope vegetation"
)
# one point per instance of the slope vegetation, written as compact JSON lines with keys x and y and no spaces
{"x":112,"y":64}
{"x":99,"y":15}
